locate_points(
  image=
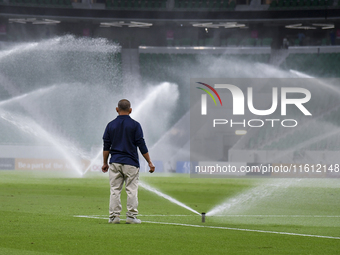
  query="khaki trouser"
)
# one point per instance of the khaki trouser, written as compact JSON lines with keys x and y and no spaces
{"x":119,"y":174}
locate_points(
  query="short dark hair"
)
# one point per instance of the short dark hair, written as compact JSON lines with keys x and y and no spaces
{"x":124,"y":105}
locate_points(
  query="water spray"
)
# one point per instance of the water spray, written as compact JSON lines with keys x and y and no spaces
{"x":167,"y":197}
{"x":203,"y":216}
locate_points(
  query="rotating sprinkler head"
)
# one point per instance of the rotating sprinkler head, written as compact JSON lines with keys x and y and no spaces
{"x":203,"y":216}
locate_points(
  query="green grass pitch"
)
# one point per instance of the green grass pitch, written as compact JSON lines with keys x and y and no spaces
{"x":38,"y":212}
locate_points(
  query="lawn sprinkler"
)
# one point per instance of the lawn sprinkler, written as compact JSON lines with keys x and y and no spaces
{"x":203,"y":216}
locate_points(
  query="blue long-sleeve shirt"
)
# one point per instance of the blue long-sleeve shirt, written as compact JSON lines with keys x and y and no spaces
{"x":122,"y":136}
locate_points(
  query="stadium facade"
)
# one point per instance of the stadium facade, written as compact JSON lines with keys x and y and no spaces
{"x":173,"y":41}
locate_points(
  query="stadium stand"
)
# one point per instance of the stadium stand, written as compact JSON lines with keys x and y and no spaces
{"x":296,"y":4}
{"x":328,"y":113}
{"x":43,"y":3}
{"x":178,"y":4}
{"x":159,"y":67}
{"x":136,"y":4}
{"x":318,"y":65}
{"x":205,"y":4}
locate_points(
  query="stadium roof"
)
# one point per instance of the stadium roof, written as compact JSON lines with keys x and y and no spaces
{"x":163,"y":17}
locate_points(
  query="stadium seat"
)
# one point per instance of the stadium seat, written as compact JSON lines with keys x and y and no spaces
{"x":115,"y":4}
{"x":308,"y":3}
{"x":295,"y":42}
{"x":224,"y":42}
{"x":157,"y":4}
{"x":195,"y":4}
{"x":248,"y":42}
{"x":258,"y":42}
{"x":142,"y":43}
{"x":225,"y":4}
{"x":150,"y":4}
{"x":176,"y":4}
{"x":267,"y":41}
{"x":135,"y":4}
{"x":294,"y":3}
{"x":232,"y":5}
{"x":232,"y":42}
{"x":194,"y":42}
{"x":187,"y":42}
{"x":280,"y":3}
{"x":209,"y":42}
{"x":204,"y":4}
{"x":273,"y":4}
{"x":126,"y":3}
{"x":143,"y":4}
{"x":325,"y":41}
{"x":321,"y":65}
{"x":108,"y":3}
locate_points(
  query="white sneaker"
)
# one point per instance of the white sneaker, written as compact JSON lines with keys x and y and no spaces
{"x":114,"y":220}
{"x":130,"y":220}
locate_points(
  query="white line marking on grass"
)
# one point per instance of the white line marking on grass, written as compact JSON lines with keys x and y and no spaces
{"x":279,"y":216}
{"x":234,"y":215}
{"x":171,"y":215}
{"x":149,"y":215}
{"x":242,"y":229}
{"x":215,"y":227}
{"x":94,"y":217}
{"x":91,"y":217}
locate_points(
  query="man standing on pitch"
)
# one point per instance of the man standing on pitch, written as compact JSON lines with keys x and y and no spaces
{"x":121,"y":138}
